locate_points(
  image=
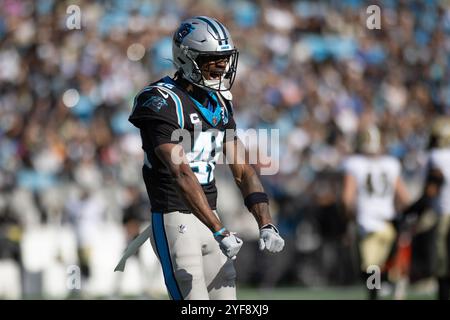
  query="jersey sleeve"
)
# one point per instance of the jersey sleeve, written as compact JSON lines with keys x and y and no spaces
{"x":230,"y":130}
{"x":156,"y":133}
{"x":154,"y":105}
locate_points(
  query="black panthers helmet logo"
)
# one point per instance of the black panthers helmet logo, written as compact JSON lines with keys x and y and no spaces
{"x":183,"y":31}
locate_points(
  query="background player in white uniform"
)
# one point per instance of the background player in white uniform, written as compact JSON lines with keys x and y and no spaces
{"x":371,"y":184}
{"x":194,"y":248}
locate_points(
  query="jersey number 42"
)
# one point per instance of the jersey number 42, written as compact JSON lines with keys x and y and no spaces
{"x":205,"y":153}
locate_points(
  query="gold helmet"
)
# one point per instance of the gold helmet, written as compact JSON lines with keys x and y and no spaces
{"x":440,"y":132}
{"x":369,"y":140}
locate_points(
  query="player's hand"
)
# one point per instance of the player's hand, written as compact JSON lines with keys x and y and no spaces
{"x":229,"y":243}
{"x":270,"y":239}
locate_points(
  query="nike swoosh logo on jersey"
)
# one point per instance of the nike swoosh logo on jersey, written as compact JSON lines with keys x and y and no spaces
{"x":165,"y":95}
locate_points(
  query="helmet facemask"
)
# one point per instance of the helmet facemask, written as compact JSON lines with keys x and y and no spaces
{"x":206,"y":72}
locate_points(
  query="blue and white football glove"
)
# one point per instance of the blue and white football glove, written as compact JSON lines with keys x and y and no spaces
{"x":228,"y":243}
{"x":270,"y":239}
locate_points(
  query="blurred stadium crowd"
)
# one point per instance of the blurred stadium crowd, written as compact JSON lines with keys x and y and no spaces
{"x":71,"y":191}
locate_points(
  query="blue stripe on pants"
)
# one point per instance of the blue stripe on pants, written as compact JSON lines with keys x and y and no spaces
{"x":162,"y":248}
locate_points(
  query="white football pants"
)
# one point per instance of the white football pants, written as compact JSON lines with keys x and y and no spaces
{"x":194,"y":267}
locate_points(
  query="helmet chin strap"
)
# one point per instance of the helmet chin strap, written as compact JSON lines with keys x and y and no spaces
{"x":218,"y":86}
{"x":215,"y":85}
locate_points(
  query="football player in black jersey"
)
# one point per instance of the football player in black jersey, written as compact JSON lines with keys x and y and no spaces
{"x":192,"y":244}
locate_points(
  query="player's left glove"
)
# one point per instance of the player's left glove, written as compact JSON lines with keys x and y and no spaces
{"x":270,"y":239}
{"x":228,"y":243}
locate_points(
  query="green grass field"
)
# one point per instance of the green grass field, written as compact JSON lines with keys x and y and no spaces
{"x":328,"y":293}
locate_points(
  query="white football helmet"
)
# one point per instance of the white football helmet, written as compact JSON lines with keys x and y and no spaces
{"x":369,"y":140}
{"x":204,"y":38}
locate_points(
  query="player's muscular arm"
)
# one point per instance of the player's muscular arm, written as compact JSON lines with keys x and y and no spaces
{"x":254,"y":197}
{"x":187,"y":183}
{"x":246,"y":179}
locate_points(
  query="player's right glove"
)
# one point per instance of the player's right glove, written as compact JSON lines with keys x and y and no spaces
{"x":228,"y":243}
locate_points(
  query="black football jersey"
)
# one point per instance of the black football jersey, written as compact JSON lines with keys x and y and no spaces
{"x":206,"y":118}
